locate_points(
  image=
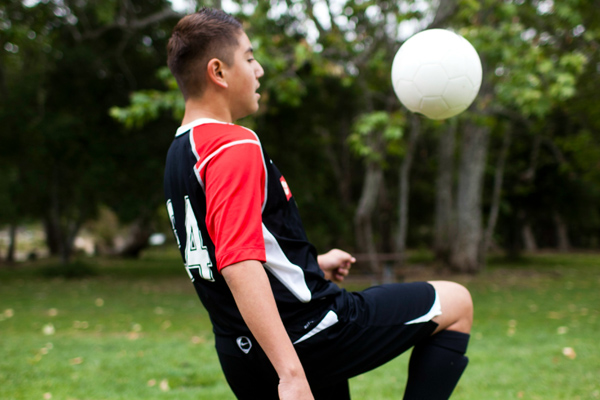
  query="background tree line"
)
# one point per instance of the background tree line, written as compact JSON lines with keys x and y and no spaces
{"x":88,"y":110}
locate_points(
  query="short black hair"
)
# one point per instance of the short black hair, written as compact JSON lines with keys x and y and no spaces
{"x":196,"y":39}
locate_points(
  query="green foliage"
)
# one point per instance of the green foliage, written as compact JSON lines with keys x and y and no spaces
{"x":105,"y":11}
{"x":386,"y":127}
{"x":530,"y":72}
{"x":68,"y":64}
{"x":536,"y":60}
{"x":584,"y":151}
{"x":148,"y":105}
{"x":88,"y":107}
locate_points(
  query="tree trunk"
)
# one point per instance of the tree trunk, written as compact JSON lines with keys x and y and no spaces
{"x":12,"y":243}
{"x":363,"y":223}
{"x":444,"y":218}
{"x":466,"y":249}
{"x":71,"y":230}
{"x":3,"y":90}
{"x":61,"y":230}
{"x":496,"y":196}
{"x":63,"y":235}
{"x":528,"y":238}
{"x":139,"y":234}
{"x":339,"y":161}
{"x":415,"y":130}
{"x":562,"y":233}
{"x":52,"y":240}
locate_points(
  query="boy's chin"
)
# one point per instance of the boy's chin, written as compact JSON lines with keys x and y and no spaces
{"x":249,"y":112}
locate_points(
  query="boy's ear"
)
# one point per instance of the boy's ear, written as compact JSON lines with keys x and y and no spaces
{"x":216,"y":74}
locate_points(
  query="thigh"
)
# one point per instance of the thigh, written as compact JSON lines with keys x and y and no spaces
{"x":333,"y":391}
{"x":250,"y":378}
{"x":375,"y":326}
{"x":253,"y":379}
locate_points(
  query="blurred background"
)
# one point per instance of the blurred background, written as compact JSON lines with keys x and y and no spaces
{"x":503,"y":198}
{"x":88,"y":110}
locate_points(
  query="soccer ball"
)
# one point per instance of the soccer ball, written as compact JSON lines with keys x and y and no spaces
{"x":436,"y":73}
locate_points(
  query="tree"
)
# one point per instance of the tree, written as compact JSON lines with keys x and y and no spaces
{"x":444,"y":204}
{"x":520,"y":79}
{"x":375,"y":136}
{"x":25,"y":59}
{"x":327,"y":92}
{"x":72,"y":61}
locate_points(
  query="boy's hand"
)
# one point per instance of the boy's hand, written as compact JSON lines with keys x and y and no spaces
{"x":335,"y":264}
{"x":294,"y":389}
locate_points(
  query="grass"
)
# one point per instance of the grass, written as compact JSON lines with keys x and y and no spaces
{"x":135,"y":329}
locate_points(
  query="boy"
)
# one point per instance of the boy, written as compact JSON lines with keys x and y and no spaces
{"x":283,"y":328}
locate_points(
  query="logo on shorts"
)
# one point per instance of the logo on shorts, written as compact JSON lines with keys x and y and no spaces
{"x":244,"y":344}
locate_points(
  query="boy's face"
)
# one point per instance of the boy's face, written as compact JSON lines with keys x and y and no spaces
{"x":243,"y":78}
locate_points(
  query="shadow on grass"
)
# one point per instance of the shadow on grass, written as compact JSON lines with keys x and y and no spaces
{"x":72,"y":270}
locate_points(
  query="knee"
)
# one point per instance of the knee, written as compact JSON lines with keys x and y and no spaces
{"x":466,"y":303}
{"x":457,"y":306}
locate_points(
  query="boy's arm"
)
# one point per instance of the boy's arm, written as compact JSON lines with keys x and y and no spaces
{"x":253,"y":295}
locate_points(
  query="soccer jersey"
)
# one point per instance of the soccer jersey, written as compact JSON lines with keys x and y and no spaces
{"x":229,"y":203}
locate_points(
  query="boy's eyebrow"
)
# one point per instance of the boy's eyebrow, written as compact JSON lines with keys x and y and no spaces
{"x":250,"y":50}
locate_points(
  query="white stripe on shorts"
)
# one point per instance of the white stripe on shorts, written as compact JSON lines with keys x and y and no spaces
{"x":436,"y":309}
{"x":330,"y":319}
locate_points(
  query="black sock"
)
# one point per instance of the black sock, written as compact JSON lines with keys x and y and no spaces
{"x":436,"y":365}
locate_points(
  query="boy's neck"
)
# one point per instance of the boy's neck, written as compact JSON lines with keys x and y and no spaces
{"x":197,"y":108}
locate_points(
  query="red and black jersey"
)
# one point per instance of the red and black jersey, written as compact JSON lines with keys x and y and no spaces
{"x":229,"y":203}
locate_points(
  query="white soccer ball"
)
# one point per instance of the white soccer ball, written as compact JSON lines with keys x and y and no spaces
{"x":436,"y":73}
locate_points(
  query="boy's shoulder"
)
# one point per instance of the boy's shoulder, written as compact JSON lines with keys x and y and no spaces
{"x":210,"y":138}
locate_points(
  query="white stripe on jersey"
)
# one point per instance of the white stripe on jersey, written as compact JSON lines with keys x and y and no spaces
{"x":220,"y":149}
{"x":290,"y":275}
{"x":190,"y":127}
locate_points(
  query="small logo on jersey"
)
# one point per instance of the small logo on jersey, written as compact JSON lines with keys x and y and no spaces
{"x":244,"y":344}
{"x":286,"y":188}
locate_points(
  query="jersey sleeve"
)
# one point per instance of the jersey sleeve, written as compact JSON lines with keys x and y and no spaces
{"x":235,"y":191}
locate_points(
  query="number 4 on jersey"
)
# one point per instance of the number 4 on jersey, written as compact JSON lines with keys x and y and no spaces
{"x":196,"y":255}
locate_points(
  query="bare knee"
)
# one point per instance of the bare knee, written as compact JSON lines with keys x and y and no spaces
{"x":457,"y":307}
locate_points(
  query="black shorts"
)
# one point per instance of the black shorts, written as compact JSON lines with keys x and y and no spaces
{"x":362,"y":331}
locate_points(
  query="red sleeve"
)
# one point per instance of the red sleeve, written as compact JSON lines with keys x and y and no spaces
{"x":235,"y":189}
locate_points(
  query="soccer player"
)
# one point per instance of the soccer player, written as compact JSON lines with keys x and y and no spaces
{"x":283,"y":329}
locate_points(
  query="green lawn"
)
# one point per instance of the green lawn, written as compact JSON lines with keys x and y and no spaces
{"x":137,"y":331}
